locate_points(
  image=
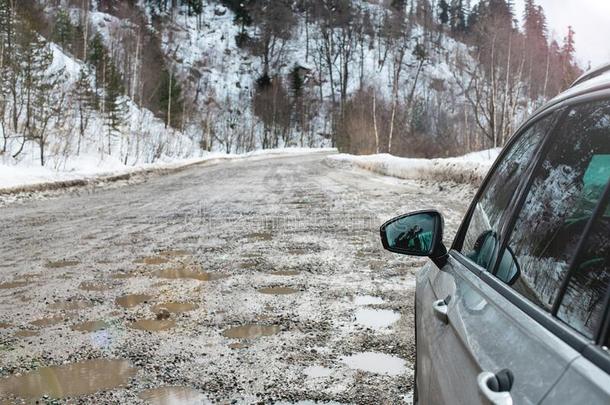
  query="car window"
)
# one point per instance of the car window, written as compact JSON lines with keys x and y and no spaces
{"x":582,"y":305}
{"x":566,"y":188}
{"x":483,"y":229}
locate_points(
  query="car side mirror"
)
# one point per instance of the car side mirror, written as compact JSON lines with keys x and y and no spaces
{"x":415,"y":234}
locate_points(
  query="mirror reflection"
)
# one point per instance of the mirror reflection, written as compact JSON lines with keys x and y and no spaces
{"x":412,"y":234}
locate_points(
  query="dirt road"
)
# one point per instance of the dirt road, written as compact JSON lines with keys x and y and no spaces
{"x":254,"y":281}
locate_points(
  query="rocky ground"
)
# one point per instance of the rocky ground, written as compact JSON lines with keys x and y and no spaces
{"x":253,"y":281}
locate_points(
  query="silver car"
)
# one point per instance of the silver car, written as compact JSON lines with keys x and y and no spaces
{"x":517,"y":309}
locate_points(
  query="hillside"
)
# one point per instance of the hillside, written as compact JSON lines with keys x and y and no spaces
{"x":139,"y":81}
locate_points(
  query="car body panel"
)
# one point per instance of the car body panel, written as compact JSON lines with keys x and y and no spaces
{"x":485,"y":332}
{"x":582,"y":383}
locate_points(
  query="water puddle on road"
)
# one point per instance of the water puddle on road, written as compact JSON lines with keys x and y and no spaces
{"x":185,"y":273}
{"x":69,"y":380}
{"x":376,"y":318}
{"x":237,"y":345}
{"x":122,"y":276}
{"x":4,"y":325}
{"x":13,"y":284}
{"x":48,"y":321}
{"x":153,"y":325}
{"x":375,"y":362}
{"x":174,"y":307}
{"x":317,"y":372}
{"x":260,"y":236}
{"x":152,"y":260}
{"x":174,"y":253}
{"x":277,"y":290}
{"x":94,"y":286}
{"x":26,"y":333}
{"x":132,"y":300}
{"x":250,"y":331}
{"x":367,"y":300}
{"x":90,"y":326}
{"x":71,"y":305}
{"x":61,"y":264}
{"x":172,"y":396}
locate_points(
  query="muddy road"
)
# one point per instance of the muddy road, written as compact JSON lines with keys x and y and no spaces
{"x":252,"y":281}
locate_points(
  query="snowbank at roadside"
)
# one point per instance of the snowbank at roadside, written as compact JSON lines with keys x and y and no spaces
{"x":87,"y":168}
{"x":470,"y":168}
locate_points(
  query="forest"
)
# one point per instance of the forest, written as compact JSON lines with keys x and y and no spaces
{"x":140,"y":80}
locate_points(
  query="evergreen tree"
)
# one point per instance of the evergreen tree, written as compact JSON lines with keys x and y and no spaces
{"x":114,"y":104}
{"x":63,"y":32}
{"x":443,"y":12}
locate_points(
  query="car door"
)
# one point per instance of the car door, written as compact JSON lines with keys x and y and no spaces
{"x":511,"y":316}
{"x":483,"y":343}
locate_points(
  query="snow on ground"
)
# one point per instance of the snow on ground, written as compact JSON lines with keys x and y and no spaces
{"x":87,"y":167}
{"x":470,"y":168}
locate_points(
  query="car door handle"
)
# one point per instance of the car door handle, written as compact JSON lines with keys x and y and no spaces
{"x":440,"y":310}
{"x":499,"y":395}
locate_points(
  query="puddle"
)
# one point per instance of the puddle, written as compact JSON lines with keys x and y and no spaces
{"x":121,"y":276}
{"x":237,"y":345}
{"x":184,"y":273}
{"x":42,"y":322}
{"x":367,"y":300}
{"x":277,"y":290}
{"x":374,"y":362}
{"x":69,"y":380}
{"x":13,"y":284}
{"x":317,"y":372}
{"x":285,"y":273}
{"x":260,"y":236}
{"x":132,"y":300}
{"x":174,"y":307}
{"x":251,"y":331}
{"x":90,"y":326}
{"x":4,"y":325}
{"x":71,"y":305}
{"x":174,"y":253}
{"x":152,"y":260}
{"x":94,"y":286}
{"x":376,"y":318}
{"x":25,"y":333}
{"x":172,"y":396}
{"x":61,"y":263}
{"x":152,"y":325}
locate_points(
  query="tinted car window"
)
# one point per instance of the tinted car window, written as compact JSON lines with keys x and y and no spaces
{"x":566,"y":188}
{"x":582,"y":305}
{"x":483,"y":228}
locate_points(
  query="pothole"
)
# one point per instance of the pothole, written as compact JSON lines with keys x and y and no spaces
{"x":61,"y":264}
{"x":90,"y":326}
{"x":367,"y":300}
{"x":13,"y":284}
{"x":375,"y":362}
{"x":69,"y":380}
{"x":26,"y":333}
{"x":172,"y":395}
{"x":152,"y":260}
{"x":376,"y":318}
{"x":132,"y":300}
{"x":48,"y":321}
{"x":185,"y":273}
{"x":317,"y":372}
{"x":174,"y":307}
{"x":174,"y":253}
{"x":71,"y":305}
{"x":153,"y":325}
{"x":277,"y":290}
{"x":251,"y":331}
{"x":4,"y":325}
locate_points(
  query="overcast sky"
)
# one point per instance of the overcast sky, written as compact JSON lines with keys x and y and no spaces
{"x":590,"y":20}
